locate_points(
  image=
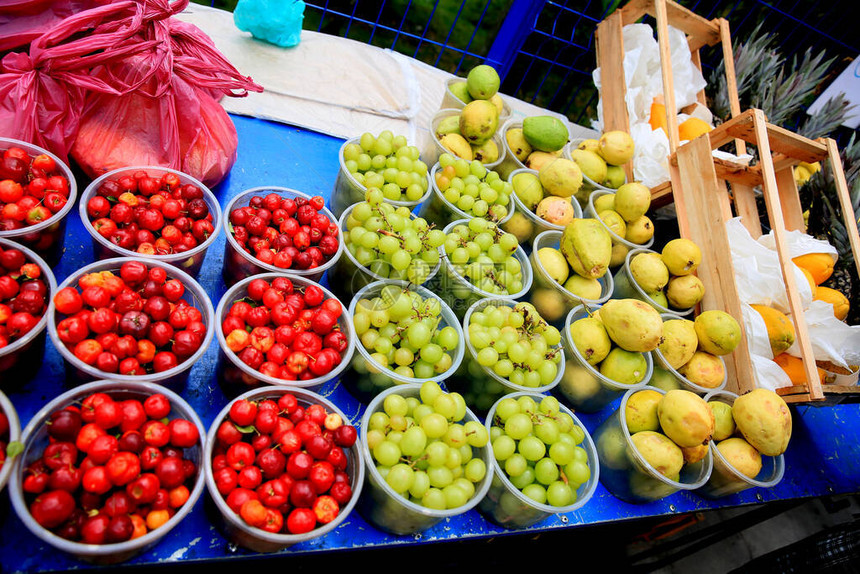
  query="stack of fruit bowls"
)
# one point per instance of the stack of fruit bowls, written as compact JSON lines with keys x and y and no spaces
{"x":348,"y":276}
{"x":168,"y":374}
{"x":237,"y":373}
{"x":550,"y":296}
{"x":21,"y":358}
{"x":233,"y":523}
{"x":481,"y":386}
{"x":626,"y":287}
{"x":366,"y":377}
{"x":618,"y":242}
{"x":662,"y":369}
{"x":537,"y":225}
{"x":47,"y":232}
{"x":460,"y":293}
{"x":627,"y":475}
{"x":134,"y":187}
{"x":239,"y":263}
{"x":42,"y":432}
{"x":450,"y":101}
{"x":506,"y":504}
{"x":393,"y":512}
{"x":10,"y":431}
{"x":584,"y":387}
{"x":347,"y":189}
{"x":725,"y":479}
{"x":438,"y":149}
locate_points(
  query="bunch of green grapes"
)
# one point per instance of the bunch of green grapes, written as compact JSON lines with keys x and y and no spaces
{"x":516,"y":344}
{"x":473,"y":188}
{"x":390,"y":242}
{"x":538,"y":447}
{"x":424,"y":448}
{"x":403,"y":332}
{"x":387,"y":162}
{"x":481,"y":252}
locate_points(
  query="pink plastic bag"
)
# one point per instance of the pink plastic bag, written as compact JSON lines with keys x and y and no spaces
{"x":22,"y":21}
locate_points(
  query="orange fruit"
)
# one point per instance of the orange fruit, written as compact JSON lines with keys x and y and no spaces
{"x":691,"y":128}
{"x":819,"y":264}
{"x":810,"y":279}
{"x":780,"y":329}
{"x":658,"y":117}
{"x":793,"y":367}
{"x":835,"y":298}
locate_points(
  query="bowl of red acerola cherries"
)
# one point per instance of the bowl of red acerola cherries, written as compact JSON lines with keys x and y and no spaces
{"x":153,"y":212}
{"x":279,"y":230}
{"x":26,"y":287}
{"x":37,"y":191}
{"x":108,"y":469}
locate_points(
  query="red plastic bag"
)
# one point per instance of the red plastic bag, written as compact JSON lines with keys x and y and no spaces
{"x":42,"y":92}
{"x":22,"y":21}
{"x":174,"y":118}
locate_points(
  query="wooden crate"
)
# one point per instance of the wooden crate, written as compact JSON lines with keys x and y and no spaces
{"x":704,"y":204}
{"x":610,"y":55}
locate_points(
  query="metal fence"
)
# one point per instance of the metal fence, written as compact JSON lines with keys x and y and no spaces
{"x":544,"y":49}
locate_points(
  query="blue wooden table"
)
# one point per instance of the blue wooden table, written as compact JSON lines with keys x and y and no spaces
{"x":823,"y":457}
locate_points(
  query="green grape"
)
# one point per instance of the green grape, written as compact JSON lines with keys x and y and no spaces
{"x":536,"y":492}
{"x":518,"y":426}
{"x":504,"y":447}
{"x":400,"y":477}
{"x":420,"y":484}
{"x":387,"y":453}
{"x":435,"y":425}
{"x":515,"y":465}
{"x":560,"y":494}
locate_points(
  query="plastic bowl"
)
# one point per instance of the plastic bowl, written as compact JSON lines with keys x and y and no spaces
{"x":726,"y":479}
{"x":538,"y":225}
{"x":256,"y":539}
{"x":583,"y":387}
{"x":35,"y":439}
{"x":450,"y":101}
{"x":189,"y":261}
{"x":627,"y":475}
{"x":617,"y":240}
{"x":459,"y":293}
{"x":79,"y":372}
{"x":479,"y":385}
{"x":348,"y":191}
{"x":438,"y":149}
{"x":7,"y":408}
{"x":347,"y":277}
{"x":239,"y":264}
{"x":21,"y":359}
{"x":550,"y":298}
{"x":683,"y":381}
{"x":366,"y":378}
{"x":588,"y":184}
{"x":237,"y":374}
{"x":392,"y":512}
{"x":627,"y":288}
{"x":441,"y":212}
{"x":507,"y":506}
{"x":48,"y":237}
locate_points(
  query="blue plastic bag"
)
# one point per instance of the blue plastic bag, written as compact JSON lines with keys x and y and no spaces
{"x":278,"y":22}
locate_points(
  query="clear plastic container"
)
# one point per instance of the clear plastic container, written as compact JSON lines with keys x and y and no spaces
{"x":347,"y":277}
{"x":479,"y":385}
{"x":618,"y":242}
{"x":239,"y":264}
{"x":256,"y":539}
{"x":21,"y":359}
{"x":552,"y":300}
{"x":35,"y":439}
{"x":538,"y":225}
{"x":583,"y":387}
{"x":7,"y":408}
{"x":438,"y":149}
{"x":47,"y":237}
{"x":189,"y":261}
{"x":348,"y":191}
{"x":726,"y":479}
{"x":459,"y":293}
{"x":509,"y":162}
{"x":507,"y":506}
{"x":365,"y":378}
{"x":238,"y":375}
{"x":588,"y":184}
{"x":79,"y":372}
{"x":393,"y":513}
{"x":683,"y":381}
{"x":450,"y":101}
{"x":627,"y":288}
{"x":441,"y":212}
{"x":626,"y":474}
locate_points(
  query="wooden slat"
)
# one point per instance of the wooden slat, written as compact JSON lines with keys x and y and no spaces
{"x":778,"y":226}
{"x":848,"y":216}
{"x":737,"y":172}
{"x":696,"y":187}
{"x":738,"y":127}
{"x":696,"y":57}
{"x":794,"y":145}
{"x":789,"y":199}
{"x":747,"y":208}
{"x":666,"y":73}
{"x":705,"y":32}
{"x":661,"y":195}
{"x":610,"y":52}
